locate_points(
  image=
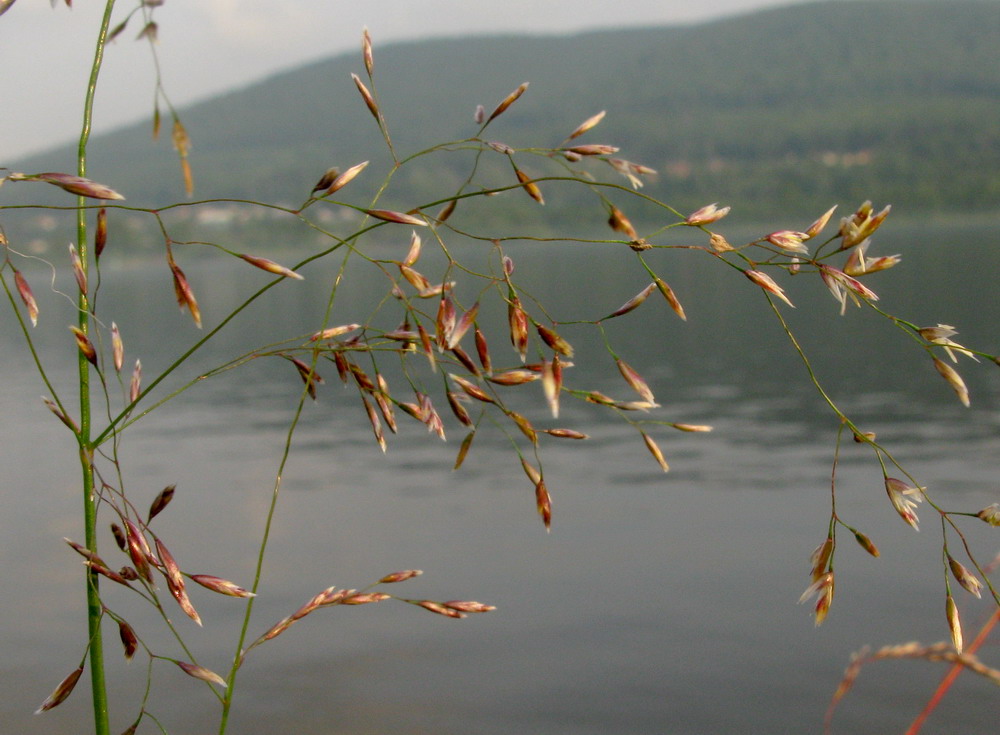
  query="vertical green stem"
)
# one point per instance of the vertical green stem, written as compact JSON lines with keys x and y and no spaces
{"x":94,"y":609}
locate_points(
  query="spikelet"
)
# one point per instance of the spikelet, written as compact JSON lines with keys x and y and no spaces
{"x":63,"y":690}
{"x":388,"y":215}
{"x":27,"y":297}
{"x":270,"y":266}
{"x":508,"y":101}
{"x":654,"y":449}
{"x":530,"y":186}
{"x":587,"y":124}
{"x":367,"y":97}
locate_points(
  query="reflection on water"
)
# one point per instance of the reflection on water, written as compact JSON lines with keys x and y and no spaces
{"x":658,"y":604}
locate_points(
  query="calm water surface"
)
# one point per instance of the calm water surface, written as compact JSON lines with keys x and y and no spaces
{"x":658,"y":604}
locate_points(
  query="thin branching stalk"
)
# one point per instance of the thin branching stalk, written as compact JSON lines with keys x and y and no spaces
{"x":94,"y":607}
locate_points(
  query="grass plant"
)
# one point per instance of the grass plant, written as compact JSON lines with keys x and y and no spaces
{"x":453,"y":369}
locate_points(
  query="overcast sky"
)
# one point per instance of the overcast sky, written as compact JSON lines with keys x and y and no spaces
{"x":208,"y":46}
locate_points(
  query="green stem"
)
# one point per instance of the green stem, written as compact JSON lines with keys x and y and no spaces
{"x":227,"y":702}
{"x":94,"y":609}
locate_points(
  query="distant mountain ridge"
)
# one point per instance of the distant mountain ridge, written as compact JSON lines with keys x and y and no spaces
{"x":786,"y":109}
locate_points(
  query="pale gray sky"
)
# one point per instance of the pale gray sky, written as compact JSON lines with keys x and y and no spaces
{"x":208,"y":46}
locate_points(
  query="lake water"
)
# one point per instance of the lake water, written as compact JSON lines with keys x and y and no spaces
{"x":658,"y":603}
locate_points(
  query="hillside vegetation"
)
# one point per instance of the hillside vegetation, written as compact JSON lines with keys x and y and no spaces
{"x":786,"y":110}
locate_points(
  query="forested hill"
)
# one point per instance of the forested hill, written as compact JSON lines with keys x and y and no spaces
{"x":787,"y":109}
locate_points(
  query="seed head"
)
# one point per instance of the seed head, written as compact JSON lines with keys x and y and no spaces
{"x":593,"y":149}
{"x":138,"y":549}
{"x":24,"y":291}
{"x":400,"y":576}
{"x":270,"y":266}
{"x":518,"y":321}
{"x":508,"y":101}
{"x":129,"y":639}
{"x":119,"y":536}
{"x":135,"y":382}
{"x":965,"y":578}
{"x":706,"y":215}
{"x":482,"y":350}
{"x":587,"y":124}
{"x":329,"y":597}
{"x":63,"y":690}
{"x":430,"y":416}
{"x":78,"y":272}
{"x":84,"y":551}
{"x":326,"y":179}
{"x":366,"y":50}
{"x":307,"y":374}
{"x":332,"y":332}
{"x":458,"y":409}
{"x":767,"y":283}
{"x":447,"y":210}
{"x":543,"y":502}
{"x":117,"y":348}
{"x":789,"y":240}
{"x":109,"y":573}
{"x":553,"y":340}
{"x":692,"y":427}
{"x":367,"y":97}
{"x":904,"y":499}
{"x":524,"y":425}
{"x":184,"y":294}
{"x":533,"y":474}
{"x":161,"y":501}
{"x":618,"y":222}
{"x":175,"y":582}
{"x":842,"y":285}
{"x":941,"y":335}
{"x":222,"y":586}
{"x":365,"y":598}
{"x":990,"y":514}
{"x":437,"y":607}
{"x":719,"y":243}
{"x":671,"y":297}
{"x":500,"y":147}
{"x":816,"y":227}
{"x":85,"y":345}
{"x":632,"y":303}
{"x":654,"y":449}
{"x":388,"y":215}
{"x":882,"y":262}
{"x":552,"y":384}
{"x":342,"y":180}
{"x":820,"y":558}
{"x":460,"y":327}
{"x":566,"y":433}
{"x":954,"y":622}
{"x":472,"y":389}
{"x":200,"y":672}
{"x":954,"y":380}
{"x":823,"y":589}
{"x":861,"y":225}
{"x":376,"y":424}
{"x":519,"y":376}
{"x":631,"y":171}
{"x":530,"y":186}
{"x":274,"y":631}
{"x":468,"y":606}
{"x":866,"y":543}
{"x":636,"y":381}
{"x":463,"y":449}
{"x":73,"y":184}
